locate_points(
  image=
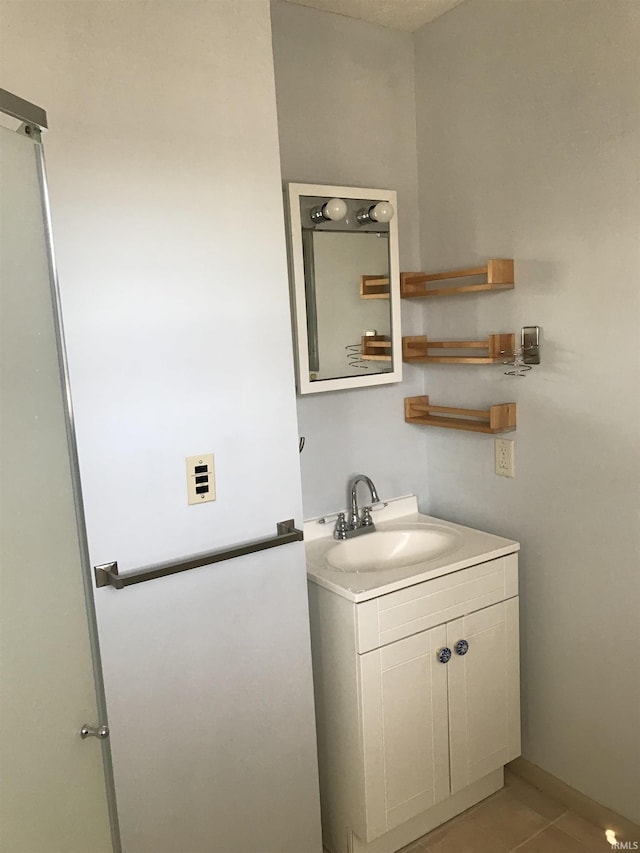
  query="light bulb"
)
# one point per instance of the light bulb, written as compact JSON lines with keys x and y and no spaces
{"x":382,"y":212}
{"x":335,"y":209}
{"x":332,"y":210}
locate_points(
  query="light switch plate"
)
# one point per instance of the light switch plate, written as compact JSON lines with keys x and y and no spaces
{"x":201,"y":479}
{"x":505,"y":457}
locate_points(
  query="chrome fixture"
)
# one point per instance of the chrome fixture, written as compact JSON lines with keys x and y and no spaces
{"x":461,"y":647}
{"x":341,"y":531}
{"x":325,"y":519}
{"x":107,"y":574}
{"x":16,"y":107}
{"x":530,"y":342}
{"x":335,"y":209}
{"x":527,"y":354}
{"x":381,"y":212}
{"x":357,"y":524}
{"x":101,"y":732}
{"x":355,"y":521}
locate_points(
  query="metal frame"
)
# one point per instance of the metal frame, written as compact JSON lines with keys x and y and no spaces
{"x":35,"y":118}
{"x":107,"y":573}
{"x":81,"y":525}
{"x":16,"y":107}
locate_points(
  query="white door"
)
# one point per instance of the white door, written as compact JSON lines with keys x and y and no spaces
{"x":52,"y":782}
{"x":484,"y":696}
{"x":404,"y":706}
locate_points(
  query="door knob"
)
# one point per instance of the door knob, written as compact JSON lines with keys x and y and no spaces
{"x":101,"y":732}
{"x":461,"y":647}
{"x":444,"y":655}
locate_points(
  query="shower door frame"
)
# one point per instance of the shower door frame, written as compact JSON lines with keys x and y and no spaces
{"x":34,"y":121}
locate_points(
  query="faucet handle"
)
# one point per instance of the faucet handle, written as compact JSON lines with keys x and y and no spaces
{"x":367,"y":521}
{"x":340,"y":530}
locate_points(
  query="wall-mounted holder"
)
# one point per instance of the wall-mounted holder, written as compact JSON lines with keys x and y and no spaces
{"x":527,"y":354}
{"x":416,"y":350}
{"x":499,"y":275}
{"x":374,"y":287}
{"x":376,"y":348}
{"x":530,"y":343}
{"x":496,"y":419}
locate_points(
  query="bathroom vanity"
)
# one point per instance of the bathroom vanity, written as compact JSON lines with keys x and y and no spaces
{"x":416,"y":671}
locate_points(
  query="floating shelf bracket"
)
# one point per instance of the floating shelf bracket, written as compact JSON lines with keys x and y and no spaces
{"x":499,"y":418}
{"x":415,"y":350}
{"x":374,"y":287}
{"x":499,"y":275}
{"x":376,"y":348}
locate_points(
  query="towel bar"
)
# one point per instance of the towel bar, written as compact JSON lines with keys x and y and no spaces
{"x":107,"y":574}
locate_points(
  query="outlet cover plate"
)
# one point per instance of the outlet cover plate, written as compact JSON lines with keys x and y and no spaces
{"x":201,"y":479}
{"x":505,"y":457}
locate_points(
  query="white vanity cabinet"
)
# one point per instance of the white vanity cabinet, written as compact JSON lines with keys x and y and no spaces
{"x":484,"y":693}
{"x":403,"y":695}
{"x":417,"y":699}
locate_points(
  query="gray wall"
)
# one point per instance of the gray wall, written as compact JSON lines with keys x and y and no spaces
{"x":346,"y":115}
{"x":529,"y":132}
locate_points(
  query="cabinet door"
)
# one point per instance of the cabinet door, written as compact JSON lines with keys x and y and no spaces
{"x":404,"y":724}
{"x":484,"y":693}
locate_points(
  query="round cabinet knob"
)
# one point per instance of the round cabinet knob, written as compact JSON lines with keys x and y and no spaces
{"x":461,"y":647}
{"x":444,"y":655}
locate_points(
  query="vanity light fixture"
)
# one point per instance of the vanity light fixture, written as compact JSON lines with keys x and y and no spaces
{"x":381,"y":212}
{"x":335,"y":209}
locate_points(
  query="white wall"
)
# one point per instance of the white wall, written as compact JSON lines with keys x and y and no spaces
{"x":153,"y":175}
{"x":529,"y":132}
{"x":346,"y":116}
{"x":163,"y":157}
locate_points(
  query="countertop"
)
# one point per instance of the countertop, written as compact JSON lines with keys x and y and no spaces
{"x":470,"y":548}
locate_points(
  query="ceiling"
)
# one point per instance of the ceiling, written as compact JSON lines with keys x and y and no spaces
{"x":407,"y":15}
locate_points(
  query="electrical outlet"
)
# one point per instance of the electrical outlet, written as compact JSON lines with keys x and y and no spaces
{"x":505,"y":457}
{"x":201,"y":479}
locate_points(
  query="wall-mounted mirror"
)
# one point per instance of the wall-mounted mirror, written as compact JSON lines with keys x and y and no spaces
{"x":345,"y":286}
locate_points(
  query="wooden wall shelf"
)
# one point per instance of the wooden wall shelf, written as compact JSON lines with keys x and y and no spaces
{"x":498,"y":271}
{"x":500,"y":418}
{"x":374,"y":287}
{"x":376,"y":348}
{"x":415,"y":349}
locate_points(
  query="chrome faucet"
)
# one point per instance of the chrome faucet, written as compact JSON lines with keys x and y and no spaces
{"x":357,"y":524}
{"x":354,"y":517}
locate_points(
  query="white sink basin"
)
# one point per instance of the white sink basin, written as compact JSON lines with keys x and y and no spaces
{"x":391,"y":549}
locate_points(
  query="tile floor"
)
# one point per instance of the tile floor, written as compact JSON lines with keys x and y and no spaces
{"x":517,"y":818}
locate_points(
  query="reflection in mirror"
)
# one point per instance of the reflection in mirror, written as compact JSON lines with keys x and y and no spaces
{"x":338,"y":317}
{"x":345,"y":275}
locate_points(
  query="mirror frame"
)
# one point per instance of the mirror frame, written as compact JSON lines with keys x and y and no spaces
{"x":298,"y":294}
